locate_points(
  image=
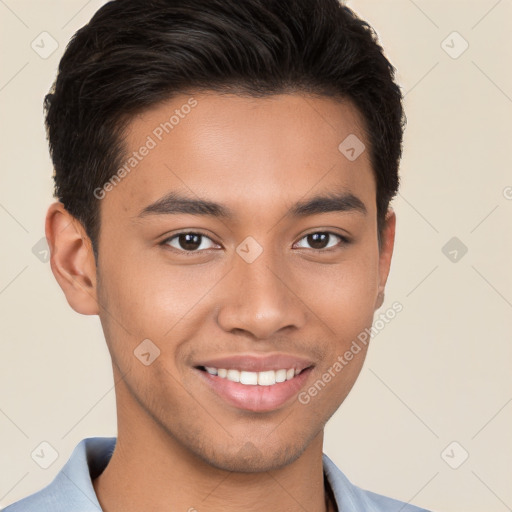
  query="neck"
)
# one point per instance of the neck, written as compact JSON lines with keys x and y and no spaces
{"x":151,"y":470}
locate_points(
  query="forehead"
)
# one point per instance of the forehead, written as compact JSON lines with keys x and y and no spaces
{"x":249,"y":153}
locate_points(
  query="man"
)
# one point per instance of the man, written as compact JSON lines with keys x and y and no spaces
{"x":223,"y":170}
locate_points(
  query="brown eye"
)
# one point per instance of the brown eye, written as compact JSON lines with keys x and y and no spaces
{"x":187,"y":242}
{"x":321,"y":240}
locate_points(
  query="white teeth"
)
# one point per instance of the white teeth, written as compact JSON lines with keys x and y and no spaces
{"x":280,"y":375}
{"x":266,"y":378}
{"x":249,"y":378}
{"x":233,"y":375}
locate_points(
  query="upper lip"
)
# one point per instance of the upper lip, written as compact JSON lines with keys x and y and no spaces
{"x":258,"y":363}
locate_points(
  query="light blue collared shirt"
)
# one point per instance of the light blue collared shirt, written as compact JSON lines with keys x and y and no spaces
{"x":72,"y":490}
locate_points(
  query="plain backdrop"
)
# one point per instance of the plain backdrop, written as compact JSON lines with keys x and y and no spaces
{"x":430,"y":417}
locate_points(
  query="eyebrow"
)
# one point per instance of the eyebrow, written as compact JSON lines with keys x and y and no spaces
{"x":174,"y":203}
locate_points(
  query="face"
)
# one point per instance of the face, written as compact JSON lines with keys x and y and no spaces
{"x":244,"y":267}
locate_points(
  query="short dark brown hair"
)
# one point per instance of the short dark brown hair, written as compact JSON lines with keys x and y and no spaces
{"x":134,"y":54}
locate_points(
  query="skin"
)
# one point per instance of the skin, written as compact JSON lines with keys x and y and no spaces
{"x":180,"y":446}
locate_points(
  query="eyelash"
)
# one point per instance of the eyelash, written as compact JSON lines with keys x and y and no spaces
{"x":344,"y":241}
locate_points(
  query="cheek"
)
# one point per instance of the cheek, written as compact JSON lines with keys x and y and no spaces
{"x":156,"y":301}
{"x":344,"y":294}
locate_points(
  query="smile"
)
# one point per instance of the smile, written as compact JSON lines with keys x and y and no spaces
{"x":265,"y":378}
{"x":261,"y":391}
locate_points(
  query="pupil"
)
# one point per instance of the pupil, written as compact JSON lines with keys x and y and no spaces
{"x":317,"y":240}
{"x":192,"y":239}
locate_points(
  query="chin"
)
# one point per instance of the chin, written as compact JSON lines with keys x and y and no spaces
{"x":251,"y":458}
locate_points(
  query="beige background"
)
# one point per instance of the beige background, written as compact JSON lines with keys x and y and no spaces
{"x":438,"y":373}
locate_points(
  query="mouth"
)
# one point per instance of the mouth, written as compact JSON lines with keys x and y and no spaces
{"x":262,"y":391}
{"x":247,"y":378}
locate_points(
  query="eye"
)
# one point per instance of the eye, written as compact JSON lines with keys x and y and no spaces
{"x":188,"y":242}
{"x":319,"y":240}
{"x":194,"y":242}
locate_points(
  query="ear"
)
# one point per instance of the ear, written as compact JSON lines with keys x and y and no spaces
{"x":385,"y":254}
{"x":72,"y":259}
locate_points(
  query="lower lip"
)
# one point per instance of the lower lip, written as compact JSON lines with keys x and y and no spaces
{"x":256,"y":398}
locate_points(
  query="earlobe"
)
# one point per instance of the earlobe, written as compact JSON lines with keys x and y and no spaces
{"x":72,"y":259}
{"x":380,"y":300}
{"x":385,"y":254}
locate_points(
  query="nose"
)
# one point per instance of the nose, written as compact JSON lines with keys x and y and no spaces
{"x":261,"y":298}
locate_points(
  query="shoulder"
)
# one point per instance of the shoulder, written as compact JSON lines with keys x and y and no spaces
{"x":351,"y":498}
{"x":385,"y":504}
{"x":71,"y":489}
